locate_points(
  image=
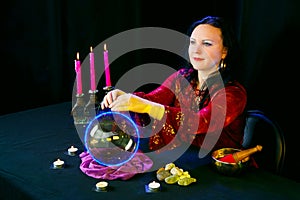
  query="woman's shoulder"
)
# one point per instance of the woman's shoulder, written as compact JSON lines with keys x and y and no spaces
{"x":235,"y":84}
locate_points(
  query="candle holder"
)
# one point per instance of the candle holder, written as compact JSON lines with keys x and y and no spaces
{"x":91,"y":109}
{"x":78,"y":110}
{"x":107,"y":89}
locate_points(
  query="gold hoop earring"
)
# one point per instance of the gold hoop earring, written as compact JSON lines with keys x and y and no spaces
{"x":222,"y":64}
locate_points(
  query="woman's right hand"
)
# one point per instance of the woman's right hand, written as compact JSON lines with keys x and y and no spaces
{"x":110,"y":97}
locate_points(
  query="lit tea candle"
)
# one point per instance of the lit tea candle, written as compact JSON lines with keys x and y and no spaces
{"x":102,"y":185}
{"x":72,"y":150}
{"x":58,"y":163}
{"x":154,"y":186}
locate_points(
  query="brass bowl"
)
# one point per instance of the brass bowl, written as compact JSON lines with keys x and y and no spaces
{"x":226,"y":168}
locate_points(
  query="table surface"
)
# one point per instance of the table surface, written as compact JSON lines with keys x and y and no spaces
{"x":31,"y":140}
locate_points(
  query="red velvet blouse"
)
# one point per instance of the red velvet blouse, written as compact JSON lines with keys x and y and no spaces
{"x":220,"y":115}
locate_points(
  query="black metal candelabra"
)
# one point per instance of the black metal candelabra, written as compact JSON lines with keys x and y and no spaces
{"x":83,"y":113}
{"x":78,"y":110}
{"x":92,"y":107}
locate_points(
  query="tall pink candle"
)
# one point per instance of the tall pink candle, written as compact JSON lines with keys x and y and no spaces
{"x":92,"y":70}
{"x":106,"y":67}
{"x":78,"y":75}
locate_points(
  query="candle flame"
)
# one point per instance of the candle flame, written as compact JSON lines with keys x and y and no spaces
{"x":105,"y":49}
{"x":77,"y":56}
{"x":91,"y":49}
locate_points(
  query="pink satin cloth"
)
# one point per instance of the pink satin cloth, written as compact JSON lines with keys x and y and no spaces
{"x":139,"y":163}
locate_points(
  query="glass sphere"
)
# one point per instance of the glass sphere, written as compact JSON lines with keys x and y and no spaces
{"x":112,"y":138}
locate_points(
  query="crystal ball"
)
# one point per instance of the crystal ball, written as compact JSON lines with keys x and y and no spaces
{"x":112,"y":138}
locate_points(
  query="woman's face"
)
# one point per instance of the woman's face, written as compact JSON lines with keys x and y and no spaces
{"x":206,"y":48}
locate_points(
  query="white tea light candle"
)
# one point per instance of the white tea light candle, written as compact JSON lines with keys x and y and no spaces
{"x":72,"y":150}
{"x":58,"y":163}
{"x":154,"y":186}
{"x":102,"y":185}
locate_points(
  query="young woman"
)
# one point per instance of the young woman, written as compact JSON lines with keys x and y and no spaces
{"x":200,"y":104}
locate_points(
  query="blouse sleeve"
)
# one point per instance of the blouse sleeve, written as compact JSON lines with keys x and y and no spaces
{"x":164,"y":93}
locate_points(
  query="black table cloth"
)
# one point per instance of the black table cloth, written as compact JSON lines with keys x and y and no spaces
{"x":31,"y":140}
